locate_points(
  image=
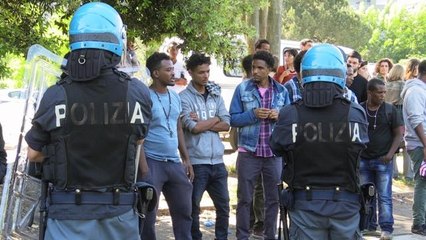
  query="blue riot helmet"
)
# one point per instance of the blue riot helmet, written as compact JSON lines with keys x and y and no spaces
{"x":97,"y":25}
{"x":324,"y":63}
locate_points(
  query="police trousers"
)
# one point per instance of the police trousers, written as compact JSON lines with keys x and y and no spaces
{"x":324,"y":219}
{"x":125,"y":226}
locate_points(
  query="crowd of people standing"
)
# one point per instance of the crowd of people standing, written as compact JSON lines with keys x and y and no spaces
{"x":320,"y":123}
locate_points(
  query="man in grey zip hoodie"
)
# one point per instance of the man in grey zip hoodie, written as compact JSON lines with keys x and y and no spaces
{"x":203,"y":116}
{"x":414,"y":112}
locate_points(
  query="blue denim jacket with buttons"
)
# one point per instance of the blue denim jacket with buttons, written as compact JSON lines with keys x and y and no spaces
{"x":247,"y":98}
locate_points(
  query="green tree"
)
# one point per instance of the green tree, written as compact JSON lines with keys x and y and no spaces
{"x":397,"y":33}
{"x":332,"y":21}
{"x":207,"y":26}
{"x":266,"y":20}
{"x":24,"y":23}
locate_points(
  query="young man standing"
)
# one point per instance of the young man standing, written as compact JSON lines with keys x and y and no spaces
{"x":414,"y":111}
{"x":166,"y":171}
{"x":203,"y":116}
{"x":359,"y":84}
{"x":348,"y":94}
{"x":262,"y":45}
{"x":376,"y":166}
{"x":254,"y":110}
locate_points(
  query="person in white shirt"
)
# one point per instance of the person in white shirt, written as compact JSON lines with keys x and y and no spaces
{"x":179,"y":69}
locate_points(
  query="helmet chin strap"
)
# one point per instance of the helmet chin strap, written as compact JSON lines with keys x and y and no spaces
{"x":321,"y":94}
{"x":86,"y":64}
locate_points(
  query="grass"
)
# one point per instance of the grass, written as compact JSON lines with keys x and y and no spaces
{"x":403,"y":181}
{"x":232,"y":170}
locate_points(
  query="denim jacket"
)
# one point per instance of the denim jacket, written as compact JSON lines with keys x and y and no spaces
{"x":247,"y":98}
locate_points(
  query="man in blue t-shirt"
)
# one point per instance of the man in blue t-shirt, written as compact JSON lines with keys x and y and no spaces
{"x":165,"y":170}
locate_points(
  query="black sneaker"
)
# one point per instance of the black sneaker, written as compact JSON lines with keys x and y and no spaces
{"x":419,"y":229}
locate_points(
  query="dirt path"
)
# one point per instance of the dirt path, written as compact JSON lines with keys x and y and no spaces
{"x":402,"y":202}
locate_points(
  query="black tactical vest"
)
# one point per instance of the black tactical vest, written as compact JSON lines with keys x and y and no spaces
{"x":96,"y":147}
{"x":325,"y":155}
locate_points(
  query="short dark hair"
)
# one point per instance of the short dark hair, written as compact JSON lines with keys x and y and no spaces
{"x":373,"y":83}
{"x":355,"y":54}
{"x":422,"y":68}
{"x":298,"y":60}
{"x":258,"y":44}
{"x":154,"y":61}
{"x":292,"y":51}
{"x":197,"y":59}
{"x":265,"y":56}
{"x":247,"y":62}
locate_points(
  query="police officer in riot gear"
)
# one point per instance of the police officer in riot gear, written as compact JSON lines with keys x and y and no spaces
{"x":87,"y":130}
{"x":320,"y":138}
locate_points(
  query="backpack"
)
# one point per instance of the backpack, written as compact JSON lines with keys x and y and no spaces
{"x":388,"y":113}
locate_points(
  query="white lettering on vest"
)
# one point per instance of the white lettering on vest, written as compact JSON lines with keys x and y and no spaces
{"x":105,"y":113}
{"x":60,"y":113}
{"x":294,"y":131}
{"x":137,"y":114}
{"x":326,"y":132}
{"x":355,"y":133}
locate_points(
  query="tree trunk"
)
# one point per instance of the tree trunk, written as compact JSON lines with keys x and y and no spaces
{"x":274,"y":26}
{"x":263,"y":22}
{"x":254,"y":21}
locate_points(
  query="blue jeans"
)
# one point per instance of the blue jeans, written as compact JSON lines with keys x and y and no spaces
{"x":419,"y":201}
{"x":379,"y":173}
{"x":248,"y":169}
{"x":214,"y":179}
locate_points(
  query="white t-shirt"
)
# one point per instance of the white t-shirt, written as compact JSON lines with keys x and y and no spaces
{"x":179,"y":71}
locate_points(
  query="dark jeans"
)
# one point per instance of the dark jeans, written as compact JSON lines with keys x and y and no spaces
{"x":170,"y":179}
{"x":248,"y":168}
{"x":214,"y":180}
{"x":257,"y":213}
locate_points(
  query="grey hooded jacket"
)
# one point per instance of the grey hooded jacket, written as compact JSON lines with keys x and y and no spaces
{"x":414,"y":111}
{"x":205,"y":147}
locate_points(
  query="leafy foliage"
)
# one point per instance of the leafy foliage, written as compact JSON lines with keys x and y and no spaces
{"x":331,"y":21}
{"x":207,"y":26}
{"x":398,"y":34}
{"x":24,"y":23}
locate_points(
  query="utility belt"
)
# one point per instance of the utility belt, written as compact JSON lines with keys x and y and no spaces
{"x":79,"y":197}
{"x":288,"y":196}
{"x":336,"y":194}
{"x":365,"y":198}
